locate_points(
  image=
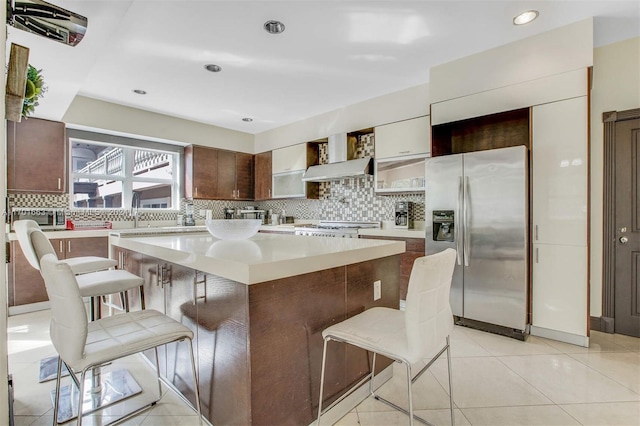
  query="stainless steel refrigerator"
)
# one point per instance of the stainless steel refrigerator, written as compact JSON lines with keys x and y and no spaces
{"x":477,"y":203}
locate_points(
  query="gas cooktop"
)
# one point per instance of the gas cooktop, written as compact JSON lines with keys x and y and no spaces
{"x":335,"y":229}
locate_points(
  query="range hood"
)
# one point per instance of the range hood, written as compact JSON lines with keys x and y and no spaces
{"x":341,"y":148}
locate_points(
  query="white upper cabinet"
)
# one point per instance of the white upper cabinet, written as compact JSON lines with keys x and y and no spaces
{"x":559,"y":149}
{"x":289,"y":159}
{"x":408,"y":137}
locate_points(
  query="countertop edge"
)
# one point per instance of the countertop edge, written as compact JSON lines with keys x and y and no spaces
{"x":261,"y":272}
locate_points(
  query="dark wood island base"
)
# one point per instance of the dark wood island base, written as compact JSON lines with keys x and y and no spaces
{"x":259,"y":346}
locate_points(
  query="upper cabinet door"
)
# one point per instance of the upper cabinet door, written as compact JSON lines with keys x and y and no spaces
{"x":36,"y":156}
{"x":560,"y":164}
{"x":244,"y":176}
{"x":407,"y":137}
{"x":289,"y":159}
{"x":200,"y":166}
{"x":262,"y":175}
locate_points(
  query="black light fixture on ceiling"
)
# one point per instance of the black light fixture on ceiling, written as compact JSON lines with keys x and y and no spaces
{"x":273,"y":27}
{"x":213,"y":67}
{"x":47,"y":20}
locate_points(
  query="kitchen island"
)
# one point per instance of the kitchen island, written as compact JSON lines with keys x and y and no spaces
{"x":257,"y":308}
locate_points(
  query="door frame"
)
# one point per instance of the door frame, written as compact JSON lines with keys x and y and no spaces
{"x":607,"y":321}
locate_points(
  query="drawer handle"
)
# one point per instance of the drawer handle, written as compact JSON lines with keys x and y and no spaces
{"x":68,"y":246}
{"x":404,"y":152}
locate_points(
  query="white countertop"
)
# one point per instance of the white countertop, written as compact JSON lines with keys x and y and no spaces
{"x":263,"y":257}
{"x":385,"y":231}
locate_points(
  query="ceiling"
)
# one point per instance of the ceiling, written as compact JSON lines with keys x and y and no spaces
{"x":332,"y":53}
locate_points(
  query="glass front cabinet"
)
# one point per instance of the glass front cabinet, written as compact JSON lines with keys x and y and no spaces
{"x":400,"y":174}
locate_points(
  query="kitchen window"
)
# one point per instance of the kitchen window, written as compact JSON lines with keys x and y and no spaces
{"x":105,"y":175}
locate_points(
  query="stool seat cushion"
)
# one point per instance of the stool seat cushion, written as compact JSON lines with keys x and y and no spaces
{"x":125,"y":334}
{"x":86,"y":264}
{"x":107,"y":282}
{"x":379,"y":329}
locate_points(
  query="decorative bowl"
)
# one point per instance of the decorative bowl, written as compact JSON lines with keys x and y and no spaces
{"x":233,"y":229}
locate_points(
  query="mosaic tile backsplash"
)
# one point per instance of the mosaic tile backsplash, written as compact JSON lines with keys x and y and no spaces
{"x":349,"y":199}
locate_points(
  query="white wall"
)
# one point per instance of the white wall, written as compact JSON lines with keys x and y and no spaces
{"x":553,"y":52}
{"x":409,"y":103}
{"x":95,"y":114}
{"x":616,"y":87}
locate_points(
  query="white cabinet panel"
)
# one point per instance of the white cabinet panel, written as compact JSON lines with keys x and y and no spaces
{"x":407,"y":137}
{"x":559,"y":288}
{"x":288,"y":185}
{"x":559,"y":150}
{"x":290,"y":158}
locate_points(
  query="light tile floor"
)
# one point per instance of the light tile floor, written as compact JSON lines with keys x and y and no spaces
{"x":497,"y":381}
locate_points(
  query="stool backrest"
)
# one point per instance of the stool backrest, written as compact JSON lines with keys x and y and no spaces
{"x":40,"y":245}
{"x":428,"y":315}
{"x":69,"y":323}
{"x":23,"y":228}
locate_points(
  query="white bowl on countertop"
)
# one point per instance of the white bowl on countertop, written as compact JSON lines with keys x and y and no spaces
{"x":233,"y":229}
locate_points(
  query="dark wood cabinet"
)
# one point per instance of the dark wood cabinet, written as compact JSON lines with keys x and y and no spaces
{"x":216,"y":174}
{"x":26,"y":284}
{"x":263,"y":171}
{"x":36,"y":156}
{"x":244,"y":176}
{"x":200,"y":168}
{"x":415,"y":248}
{"x":493,"y":131}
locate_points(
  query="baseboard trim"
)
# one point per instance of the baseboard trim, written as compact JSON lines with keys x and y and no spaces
{"x":561,"y":336}
{"x":602,"y":324}
{"x":30,"y":307}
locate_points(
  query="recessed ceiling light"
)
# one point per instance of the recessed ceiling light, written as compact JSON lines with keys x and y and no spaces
{"x":274,"y":27}
{"x":139,"y":92}
{"x":247,"y":119}
{"x":525,"y":17}
{"x":213,"y":67}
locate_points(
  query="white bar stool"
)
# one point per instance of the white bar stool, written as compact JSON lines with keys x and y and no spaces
{"x":92,"y":285}
{"x":420,"y":334}
{"x":84,"y":345}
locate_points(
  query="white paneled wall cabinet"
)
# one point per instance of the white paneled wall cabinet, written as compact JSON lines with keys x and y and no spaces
{"x":559,"y":234}
{"x":408,"y":137}
{"x":560,"y":172}
{"x":288,"y":166}
{"x":289,"y":159}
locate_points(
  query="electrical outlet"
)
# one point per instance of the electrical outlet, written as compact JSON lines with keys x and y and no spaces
{"x":202,"y":212}
{"x":377,"y":290}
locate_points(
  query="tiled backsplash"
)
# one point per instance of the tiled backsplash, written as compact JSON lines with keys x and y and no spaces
{"x":349,"y":199}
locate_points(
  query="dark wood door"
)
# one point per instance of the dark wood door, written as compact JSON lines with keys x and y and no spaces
{"x":263,"y":173}
{"x":226,"y":175}
{"x":180,"y":304}
{"x":627,"y":222}
{"x":25,"y":283}
{"x":200,"y":172}
{"x":92,"y":246}
{"x":155,"y":275}
{"x":244,"y":176}
{"x":36,"y":155}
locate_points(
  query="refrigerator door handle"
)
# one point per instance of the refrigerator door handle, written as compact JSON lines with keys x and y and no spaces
{"x":457,"y":221}
{"x":465,"y":218}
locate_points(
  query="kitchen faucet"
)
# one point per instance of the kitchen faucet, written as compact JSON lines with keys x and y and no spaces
{"x":135,"y":206}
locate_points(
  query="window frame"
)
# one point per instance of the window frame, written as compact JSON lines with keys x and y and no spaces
{"x":129,"y":146}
